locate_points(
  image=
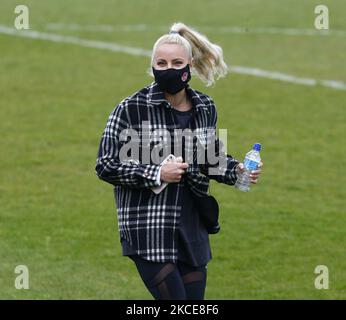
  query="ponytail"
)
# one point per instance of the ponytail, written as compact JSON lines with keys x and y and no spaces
{"x":208,"y":57}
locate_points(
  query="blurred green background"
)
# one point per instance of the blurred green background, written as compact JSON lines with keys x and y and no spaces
{"x":57,"y":218}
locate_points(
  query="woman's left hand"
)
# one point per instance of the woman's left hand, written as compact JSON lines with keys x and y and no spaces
{"x":254,"y":173}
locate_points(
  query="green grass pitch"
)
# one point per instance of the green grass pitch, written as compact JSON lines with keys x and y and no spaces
{"x":58,"y":219}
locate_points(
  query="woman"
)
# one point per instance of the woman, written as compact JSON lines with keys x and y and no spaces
{"x":163,"y":233}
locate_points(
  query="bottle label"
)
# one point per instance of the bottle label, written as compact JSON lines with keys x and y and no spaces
{"x":250,"y":164}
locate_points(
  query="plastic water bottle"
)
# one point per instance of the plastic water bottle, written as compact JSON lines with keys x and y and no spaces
{"x":251,"y":162}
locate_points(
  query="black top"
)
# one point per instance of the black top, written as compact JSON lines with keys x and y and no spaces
{"x":193,"y":240}
{"x":183,"y":117}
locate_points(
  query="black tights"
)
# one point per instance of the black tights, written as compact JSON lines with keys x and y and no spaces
{"x":172,"y":281}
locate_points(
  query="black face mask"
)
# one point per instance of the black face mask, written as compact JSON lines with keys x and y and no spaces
{"x":172,"y":80}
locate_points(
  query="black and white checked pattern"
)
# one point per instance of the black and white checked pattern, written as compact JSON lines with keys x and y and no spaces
{"x":147,"y":220}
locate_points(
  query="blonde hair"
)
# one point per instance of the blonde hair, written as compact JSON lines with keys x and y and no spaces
{"x":207,"y":57}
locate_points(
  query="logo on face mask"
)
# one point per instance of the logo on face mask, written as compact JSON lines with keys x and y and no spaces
{"x":172,"y":80}
{"x":184,"y":76}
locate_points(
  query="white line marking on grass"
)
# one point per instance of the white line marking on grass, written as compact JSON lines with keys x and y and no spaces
{"x":288,"y":78}
{"x":75,"y":40}
{"x":147,"y":53}
{"x":230,"y":29}
{"x":281,"y":31}
{"x":102,"y":27}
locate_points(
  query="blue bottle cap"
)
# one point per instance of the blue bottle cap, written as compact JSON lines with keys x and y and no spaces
{"x":257,"y":147}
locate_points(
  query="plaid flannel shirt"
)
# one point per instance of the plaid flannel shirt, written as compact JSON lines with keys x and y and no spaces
{"x":149,"y":221}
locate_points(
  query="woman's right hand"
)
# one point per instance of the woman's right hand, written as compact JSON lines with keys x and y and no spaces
{"x":172,"y":171}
